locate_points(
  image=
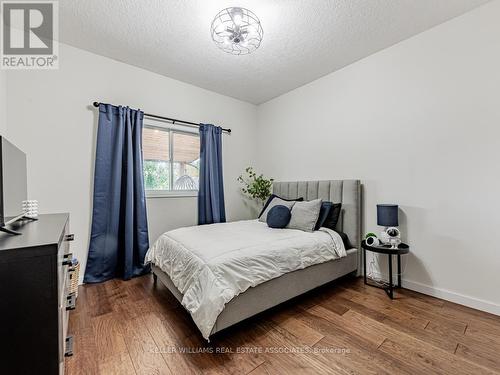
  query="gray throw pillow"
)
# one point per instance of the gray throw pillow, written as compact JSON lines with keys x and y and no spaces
{"x":275,"y":202}
{"x":305,"y":215}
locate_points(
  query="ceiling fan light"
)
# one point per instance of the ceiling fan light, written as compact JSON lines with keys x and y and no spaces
{"x":237,"y":31}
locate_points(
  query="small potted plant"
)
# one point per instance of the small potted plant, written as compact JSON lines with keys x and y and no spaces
{"x":256,"y":186}
{"x":371,"y":239}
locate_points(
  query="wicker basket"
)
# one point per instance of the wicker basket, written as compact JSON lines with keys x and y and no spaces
{"x":74,"y":274}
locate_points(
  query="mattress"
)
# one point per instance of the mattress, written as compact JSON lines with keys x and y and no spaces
{"x":212,"y":264}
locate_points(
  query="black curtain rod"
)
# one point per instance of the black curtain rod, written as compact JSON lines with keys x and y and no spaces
{"x":173,"y":120}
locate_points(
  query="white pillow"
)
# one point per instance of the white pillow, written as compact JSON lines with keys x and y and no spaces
{"x":305,"y":215}
{"x":275,"y":202}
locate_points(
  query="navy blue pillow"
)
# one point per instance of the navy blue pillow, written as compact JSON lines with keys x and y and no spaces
{"x":323,"y":214}
{"x":278,"y":217}
{"x":333,"y":216}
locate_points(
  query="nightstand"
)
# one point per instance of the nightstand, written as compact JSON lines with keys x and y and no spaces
{"x":386,"y":249}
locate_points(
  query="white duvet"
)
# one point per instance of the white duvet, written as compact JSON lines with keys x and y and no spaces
{"x":211,"y":264}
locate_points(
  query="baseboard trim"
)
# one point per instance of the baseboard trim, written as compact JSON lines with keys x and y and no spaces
{"x":461,"y":299}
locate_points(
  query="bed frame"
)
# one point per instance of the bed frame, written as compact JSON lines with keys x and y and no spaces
{"x":290,"y":285}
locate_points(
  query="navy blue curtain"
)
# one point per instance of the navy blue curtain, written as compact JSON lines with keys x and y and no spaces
{"x":119,"y":239}
{"x":211,"y":191}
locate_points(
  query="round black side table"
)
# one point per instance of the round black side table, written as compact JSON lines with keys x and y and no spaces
{"x":386,"y":249}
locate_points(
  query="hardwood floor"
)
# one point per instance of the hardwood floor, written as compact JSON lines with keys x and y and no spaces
{"x":135,"y":327}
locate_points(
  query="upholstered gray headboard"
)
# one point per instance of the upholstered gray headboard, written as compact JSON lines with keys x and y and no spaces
{"x":347,"y":192}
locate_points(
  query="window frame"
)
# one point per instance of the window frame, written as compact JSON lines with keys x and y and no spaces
{"x":171,"y":129}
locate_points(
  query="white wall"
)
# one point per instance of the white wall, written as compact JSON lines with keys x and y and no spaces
{"x":3,"y":102}
{"x":419,"y":124}
{"x":50,"y":118}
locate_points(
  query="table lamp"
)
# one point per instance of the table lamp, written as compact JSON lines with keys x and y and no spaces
{"x":387,"y":216}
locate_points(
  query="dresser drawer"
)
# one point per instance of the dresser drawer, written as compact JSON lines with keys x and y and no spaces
{"x":64,"y":257}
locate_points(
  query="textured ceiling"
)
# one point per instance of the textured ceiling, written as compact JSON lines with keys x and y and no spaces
{"x":303,"y":39}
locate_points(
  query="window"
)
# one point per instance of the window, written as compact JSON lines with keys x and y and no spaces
{"x":171,"y":161}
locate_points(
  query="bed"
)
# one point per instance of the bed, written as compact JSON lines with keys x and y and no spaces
{"x":255,"y":267}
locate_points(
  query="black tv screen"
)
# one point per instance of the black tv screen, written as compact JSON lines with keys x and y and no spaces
{"x":13,"y":182}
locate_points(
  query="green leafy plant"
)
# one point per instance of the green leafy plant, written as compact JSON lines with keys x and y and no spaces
{"x":370,"y":234}
{"x":255,"y":186}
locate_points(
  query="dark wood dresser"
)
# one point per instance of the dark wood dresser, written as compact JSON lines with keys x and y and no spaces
{"x":34,"y":299}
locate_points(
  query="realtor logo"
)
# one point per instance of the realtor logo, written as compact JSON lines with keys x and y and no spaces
{"x":29,"y":35}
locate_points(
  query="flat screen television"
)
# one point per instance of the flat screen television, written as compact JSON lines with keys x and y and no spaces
{"x":13,"y":182}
